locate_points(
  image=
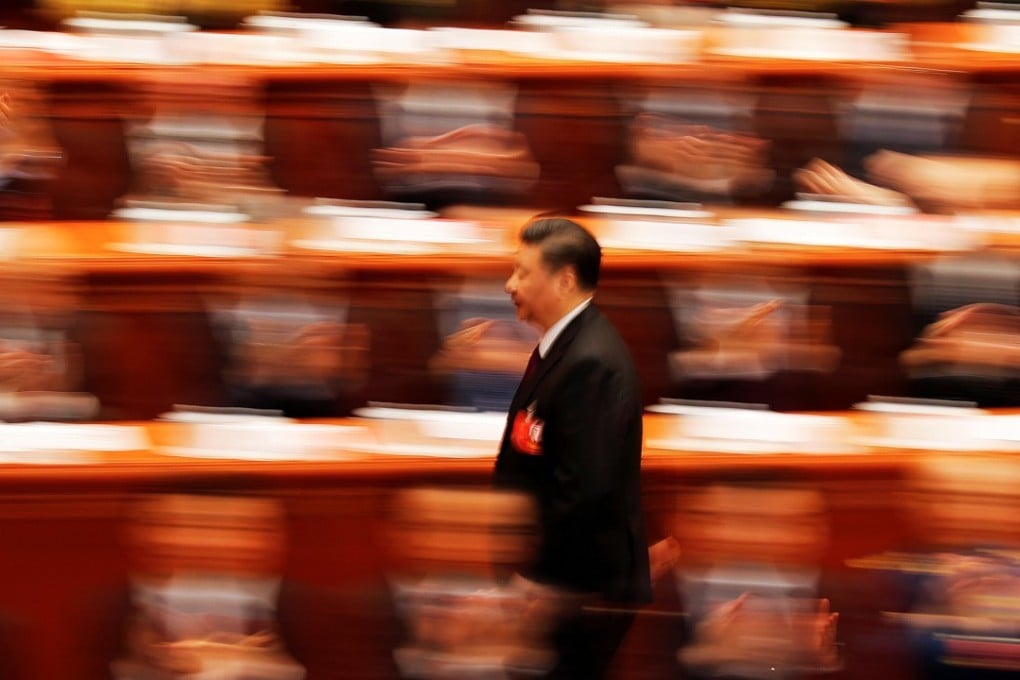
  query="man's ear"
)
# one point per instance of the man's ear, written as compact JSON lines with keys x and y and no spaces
{"x":566,"y":280}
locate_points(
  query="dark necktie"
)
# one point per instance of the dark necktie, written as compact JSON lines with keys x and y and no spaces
{"x":533,"y":364}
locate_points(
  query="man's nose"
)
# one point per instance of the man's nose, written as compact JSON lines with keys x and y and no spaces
{"x":510,"y":286}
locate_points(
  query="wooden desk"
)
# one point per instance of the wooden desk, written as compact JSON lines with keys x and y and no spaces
{"x":142,"y":319}
{"x":65,"y":556}
{"x":322,"y":121}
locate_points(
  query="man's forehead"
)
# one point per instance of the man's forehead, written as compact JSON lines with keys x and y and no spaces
{"x":526,"y":253}
{"x":532,"y":251}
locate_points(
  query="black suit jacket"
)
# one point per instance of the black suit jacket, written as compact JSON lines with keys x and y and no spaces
{"x":573,"y":441}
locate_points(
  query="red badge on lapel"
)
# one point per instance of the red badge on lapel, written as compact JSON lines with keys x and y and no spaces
{"x":526,"y":433}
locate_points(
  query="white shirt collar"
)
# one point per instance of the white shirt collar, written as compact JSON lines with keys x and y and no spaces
{"x":554,"y":331}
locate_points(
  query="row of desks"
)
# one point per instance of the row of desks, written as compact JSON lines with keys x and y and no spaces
{"x":352,"y":449}
{"x":149,"y":311}
{"x":958,"y":46}
{"x":321,"y":122}
{"x":63,"y":529}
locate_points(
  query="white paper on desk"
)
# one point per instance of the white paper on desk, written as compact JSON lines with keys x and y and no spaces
{"x":182,"y":249}
{"x":45,"y":41}
{"x":422,"y":231}
{"x":48,"y":457}
{"x":441,"y":424}
{"x":866,"y":233}
{"x":665,"y":236}
{"x":435,"y":433}
{"x":848,"y":208}
{"x":646,"y":211}
{"x":184,"y":215}
{"x":214,"y":415}
{"x":482,"y":427}
{"x":334,"y":210}
{"x":354,"y":246}
{"x":626,"y":44}
{"x":489,"y":40}
{"x":72,"y":437}
{"x":928,"y":426}
{"x":9,"y":241}
{"x":269,"y":440}
{"x":733,"y":430}
{"x":991,"y":224}
{"x":433,"y":450}
{"x":217,"y":235}
{"x":1005,"y":429}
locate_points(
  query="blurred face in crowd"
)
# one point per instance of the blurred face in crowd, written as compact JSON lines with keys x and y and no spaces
{"x":536,"y":291}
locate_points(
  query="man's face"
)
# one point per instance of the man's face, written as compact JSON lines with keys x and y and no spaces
{"x":533,"y":288}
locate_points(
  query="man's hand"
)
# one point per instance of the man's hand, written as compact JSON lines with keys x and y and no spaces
{"x":735,"y":633}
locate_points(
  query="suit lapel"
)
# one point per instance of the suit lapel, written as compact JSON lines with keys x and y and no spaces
{"x":528,"y":386}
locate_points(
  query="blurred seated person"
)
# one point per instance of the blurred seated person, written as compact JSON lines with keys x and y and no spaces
{"x":931,"y":183}
{"x":29,"y":154}
{"x":41,"y":375}
{"x":746,"y":565}
{"x":967,"y":315}
{"x":745,"y":339}
{"x":291,"y":354}
{"x":671,"y":159}
{"x":963,"y":571}
{"x":482,"y":161}
{"x":465,"y":616}
{"x":484,"y":360}
{"x":205,"y":583}
{"x":971,"y":353}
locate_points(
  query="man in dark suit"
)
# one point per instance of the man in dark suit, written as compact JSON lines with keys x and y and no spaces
{"x":573,"y":441}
